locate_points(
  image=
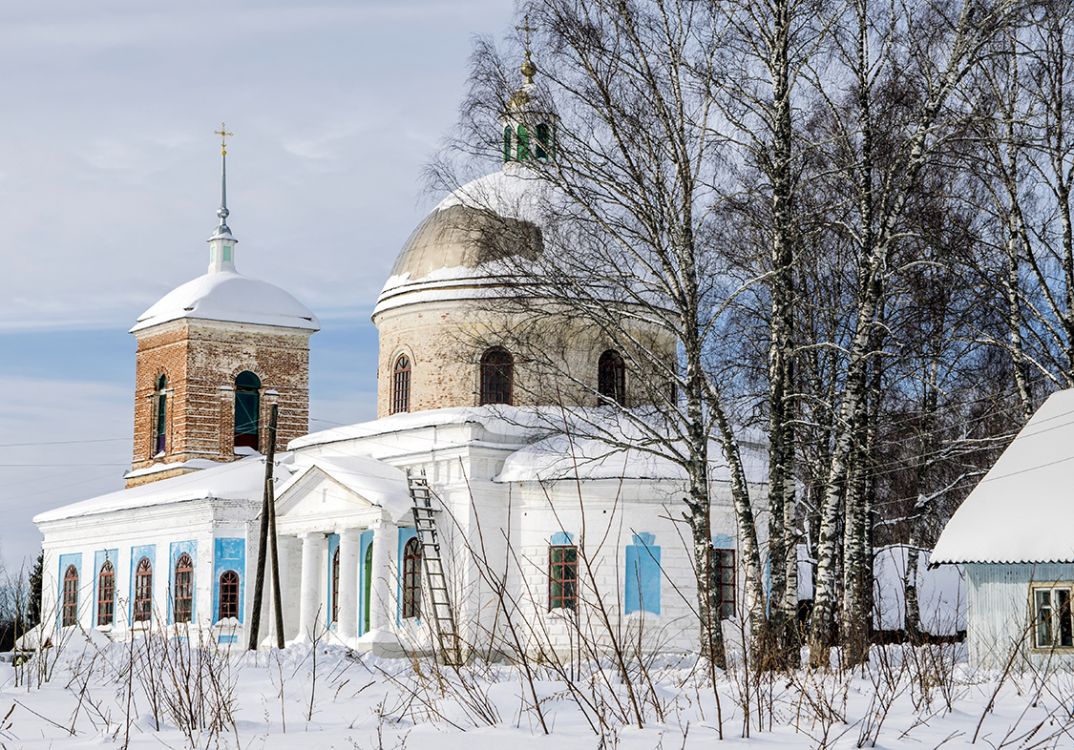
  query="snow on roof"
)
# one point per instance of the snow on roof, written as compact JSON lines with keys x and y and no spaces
{"x":505,"y":420}
{"x":158,"y":468}
{"x":1021,"y":511}
{"x":376,"y":481}
{"x":238,"y":480}
{"x":564,"y":457}
{"x":514,"y":191}
{"x":459,"y":249}
{"x":230,"y":297}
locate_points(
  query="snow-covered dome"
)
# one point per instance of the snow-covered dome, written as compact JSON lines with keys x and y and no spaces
{"x":473,"y":239}
{"x":227,"y":295}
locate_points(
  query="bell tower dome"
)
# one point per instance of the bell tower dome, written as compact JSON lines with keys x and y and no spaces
{"x":213,"y":355}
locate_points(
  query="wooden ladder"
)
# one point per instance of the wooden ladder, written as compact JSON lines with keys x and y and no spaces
{"x":443,"y":618}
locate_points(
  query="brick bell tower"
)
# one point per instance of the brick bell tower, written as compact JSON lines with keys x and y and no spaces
{"x":213,"y":356}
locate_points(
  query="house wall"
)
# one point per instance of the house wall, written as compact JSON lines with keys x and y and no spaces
{"x":999,"y":615}
{"x":493,"y":530}
{"x":159,"y":532}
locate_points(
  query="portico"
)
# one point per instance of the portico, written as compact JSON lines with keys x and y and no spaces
{"x":338,"y":524}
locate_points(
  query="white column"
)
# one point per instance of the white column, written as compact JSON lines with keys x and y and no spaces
{"x":311,"y":615}
{"x":381,"y":611}
{"x":347,"y":627}
{"x":289,"y":590}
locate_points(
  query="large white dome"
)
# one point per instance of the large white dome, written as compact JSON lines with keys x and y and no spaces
{"x":230,"y":297}
{"x":473,"y":240}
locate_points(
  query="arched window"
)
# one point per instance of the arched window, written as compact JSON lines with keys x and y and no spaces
{"x":523,"y":151}
{"x":412,"y":578}
{"x":182,"y":605}
{"x":247,"y":410}
{"x":497,"y":374}
{"x":544,"y":140}
{"x":507,"y":132}
{"x":367,"y":587}
{"x":335,"y":586}
{"x":106,"y":594}
{"x":160,"y":424}
{"x":143,"y":590}
{"x":401,"y":385}
{"x":228,"y":604}
{"x":70,"y":596}
{"x":611,"y":377}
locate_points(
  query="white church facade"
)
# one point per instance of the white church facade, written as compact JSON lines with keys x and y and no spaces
{"x":537,"y":522}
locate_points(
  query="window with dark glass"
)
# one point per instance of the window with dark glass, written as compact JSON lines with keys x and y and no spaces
{"x":401,"y":385}
{"x":611,"y":377}
{"x":522,"y":152}
{"x":544,"y":140}
{"x":497,"y":374}
{"x":507,"y":143}
{"x":106,"y":594}
{"x":412,"y":578}
{"x":228,"y":604}
{"x":160,"y":424}
{"x":247,"y":410}
{"x":143,"y":590}
{"x":70,"y":596}
{"x":723,"y":571}
{"x":562,"y":576}
{"x":183,"y":600}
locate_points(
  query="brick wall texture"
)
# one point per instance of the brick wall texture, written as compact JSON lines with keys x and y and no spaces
{"x":201,"y":360}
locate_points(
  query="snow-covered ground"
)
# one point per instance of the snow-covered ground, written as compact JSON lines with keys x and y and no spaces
{"x":331,"y":698}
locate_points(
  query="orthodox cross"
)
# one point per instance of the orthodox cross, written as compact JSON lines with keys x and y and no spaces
{"x":224,"y":135}
{"x":526,"y":30}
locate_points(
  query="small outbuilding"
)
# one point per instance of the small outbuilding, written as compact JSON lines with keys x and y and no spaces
{"x":1014,"y":538}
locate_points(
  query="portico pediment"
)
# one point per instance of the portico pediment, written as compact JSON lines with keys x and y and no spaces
{"x":340,"y":493}
{"x":318,"y":502}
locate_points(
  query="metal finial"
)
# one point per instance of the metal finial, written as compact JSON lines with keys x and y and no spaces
{"x":222,"y":212}
{"x":529,"y":68}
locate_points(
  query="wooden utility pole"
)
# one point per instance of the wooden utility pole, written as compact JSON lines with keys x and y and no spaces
{"x":277,"y":604}
{"x":267,"y":514}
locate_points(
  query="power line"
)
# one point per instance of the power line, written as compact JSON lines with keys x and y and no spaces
{"x":66,"y":442}
{"x":55,"y":466}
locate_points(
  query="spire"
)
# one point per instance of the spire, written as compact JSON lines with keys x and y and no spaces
{"x":529,"y":68}
{"x":222,"y":243}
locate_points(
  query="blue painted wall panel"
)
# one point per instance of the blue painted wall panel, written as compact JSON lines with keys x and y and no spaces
{"x":148,"y":551}
{"x":178,"y":548}
{"x":229,"y":553}
{"x":72,"y":558}
{"x":642,"y":589}
{"x":98,"y":560}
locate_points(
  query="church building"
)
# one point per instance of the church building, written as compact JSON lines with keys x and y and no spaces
{"x":533,"y":520}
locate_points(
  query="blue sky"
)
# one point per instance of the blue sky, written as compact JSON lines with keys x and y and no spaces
{"x":109,"y":183}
